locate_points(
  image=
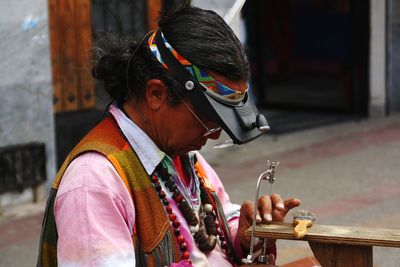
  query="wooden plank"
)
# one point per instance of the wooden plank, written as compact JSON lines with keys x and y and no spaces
{"x":257,"y":265}
{"x":332,"y":234}
{"x":335,"y":255}
{"x":153,"y":12}
{"x":69,"y":86}
{"x":304,"y":262}
{"x":56,"y":57}
{"x":83,"y":29}
{"x":70,"y":46}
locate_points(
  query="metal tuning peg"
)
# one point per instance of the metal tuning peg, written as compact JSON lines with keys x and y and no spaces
{"x":270,"y":173}
{"x":260,"y":255}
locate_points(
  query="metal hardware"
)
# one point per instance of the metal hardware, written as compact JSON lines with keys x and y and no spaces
{"x":189,"y":85}
{"x":268,"y":175}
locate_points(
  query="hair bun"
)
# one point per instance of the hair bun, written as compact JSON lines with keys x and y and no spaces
{"x":111,"y":56}
{"x":102,"y":69}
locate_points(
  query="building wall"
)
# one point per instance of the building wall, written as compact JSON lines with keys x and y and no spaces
{"x":26,"y":110}
{"x":377,"y":105}
{"x":393,"y":55}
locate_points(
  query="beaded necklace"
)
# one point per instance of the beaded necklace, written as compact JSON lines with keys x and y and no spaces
{"x":205,"y":227}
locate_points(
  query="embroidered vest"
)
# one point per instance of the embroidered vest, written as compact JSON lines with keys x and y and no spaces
{"x":156,"y":245}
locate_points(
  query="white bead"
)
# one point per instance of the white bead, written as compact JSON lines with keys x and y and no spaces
{"x":194,"y":229}
{"x":212,"y":239}
{"x":208,"y":207}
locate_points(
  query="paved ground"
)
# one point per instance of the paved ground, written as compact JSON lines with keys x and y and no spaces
{"x":348,"y":174}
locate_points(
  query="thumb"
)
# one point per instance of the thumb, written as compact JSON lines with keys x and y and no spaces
{"x":245,"y":221}
{"x":246,"y":213}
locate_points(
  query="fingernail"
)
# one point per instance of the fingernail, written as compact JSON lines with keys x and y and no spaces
{"x":258,"y":218}
{"x":268,"y":217}
{"x":280,"y":206}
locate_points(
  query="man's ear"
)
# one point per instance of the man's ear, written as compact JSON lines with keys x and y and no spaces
{"x":156,"y":93}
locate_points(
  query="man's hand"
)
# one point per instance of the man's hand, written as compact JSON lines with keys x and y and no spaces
{"x":270,"y":209}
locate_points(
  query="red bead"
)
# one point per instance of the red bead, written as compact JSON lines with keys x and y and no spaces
{"x":176,"y":223}
{"x":180,"y":239}
{"x":224,"y":245}
{"x":178,"y":198}
{"x":154,"y":178}
{"x":185,"y":255}
{"x":158,"y":187}
{"x":177,"y":232}
{"x":162,"y":194}
{"x":172,"y":217}
{"x":183,"y":246}
{"x":168,"y":209}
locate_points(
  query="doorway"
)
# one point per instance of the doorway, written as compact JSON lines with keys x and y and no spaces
{"x":309,"y":58}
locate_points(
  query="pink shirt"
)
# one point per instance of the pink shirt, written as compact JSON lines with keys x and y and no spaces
{"x":95,"y":214}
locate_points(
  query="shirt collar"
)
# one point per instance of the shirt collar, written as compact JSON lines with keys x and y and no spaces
{"x":147,"y":151}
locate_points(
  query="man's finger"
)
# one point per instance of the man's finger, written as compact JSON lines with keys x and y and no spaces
{"x":292,"y":203}
{"x":277,"y":202}
{"x":265,"y":208}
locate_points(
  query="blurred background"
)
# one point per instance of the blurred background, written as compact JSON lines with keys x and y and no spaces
{"x":324,"y":72}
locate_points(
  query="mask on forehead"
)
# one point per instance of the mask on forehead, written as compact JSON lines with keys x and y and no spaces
{"x":232,"y":110}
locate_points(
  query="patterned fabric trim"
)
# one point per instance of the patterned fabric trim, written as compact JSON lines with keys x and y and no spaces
{"x":216,"y":88}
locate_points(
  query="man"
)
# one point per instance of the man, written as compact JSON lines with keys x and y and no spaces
{"x":133,"y":192}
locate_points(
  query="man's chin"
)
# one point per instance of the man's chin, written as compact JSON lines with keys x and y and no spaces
{"x":195,"y":148}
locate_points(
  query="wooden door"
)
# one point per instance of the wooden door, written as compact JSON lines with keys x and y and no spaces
{"x":70,"y":51}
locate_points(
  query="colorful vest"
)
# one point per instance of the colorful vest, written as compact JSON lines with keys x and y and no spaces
{"x":159,"y":247}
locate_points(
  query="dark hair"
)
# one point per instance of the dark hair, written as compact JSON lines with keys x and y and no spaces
{"x":201,"y":36}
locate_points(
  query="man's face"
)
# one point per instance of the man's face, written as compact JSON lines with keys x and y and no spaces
{"x":184,"y":128}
